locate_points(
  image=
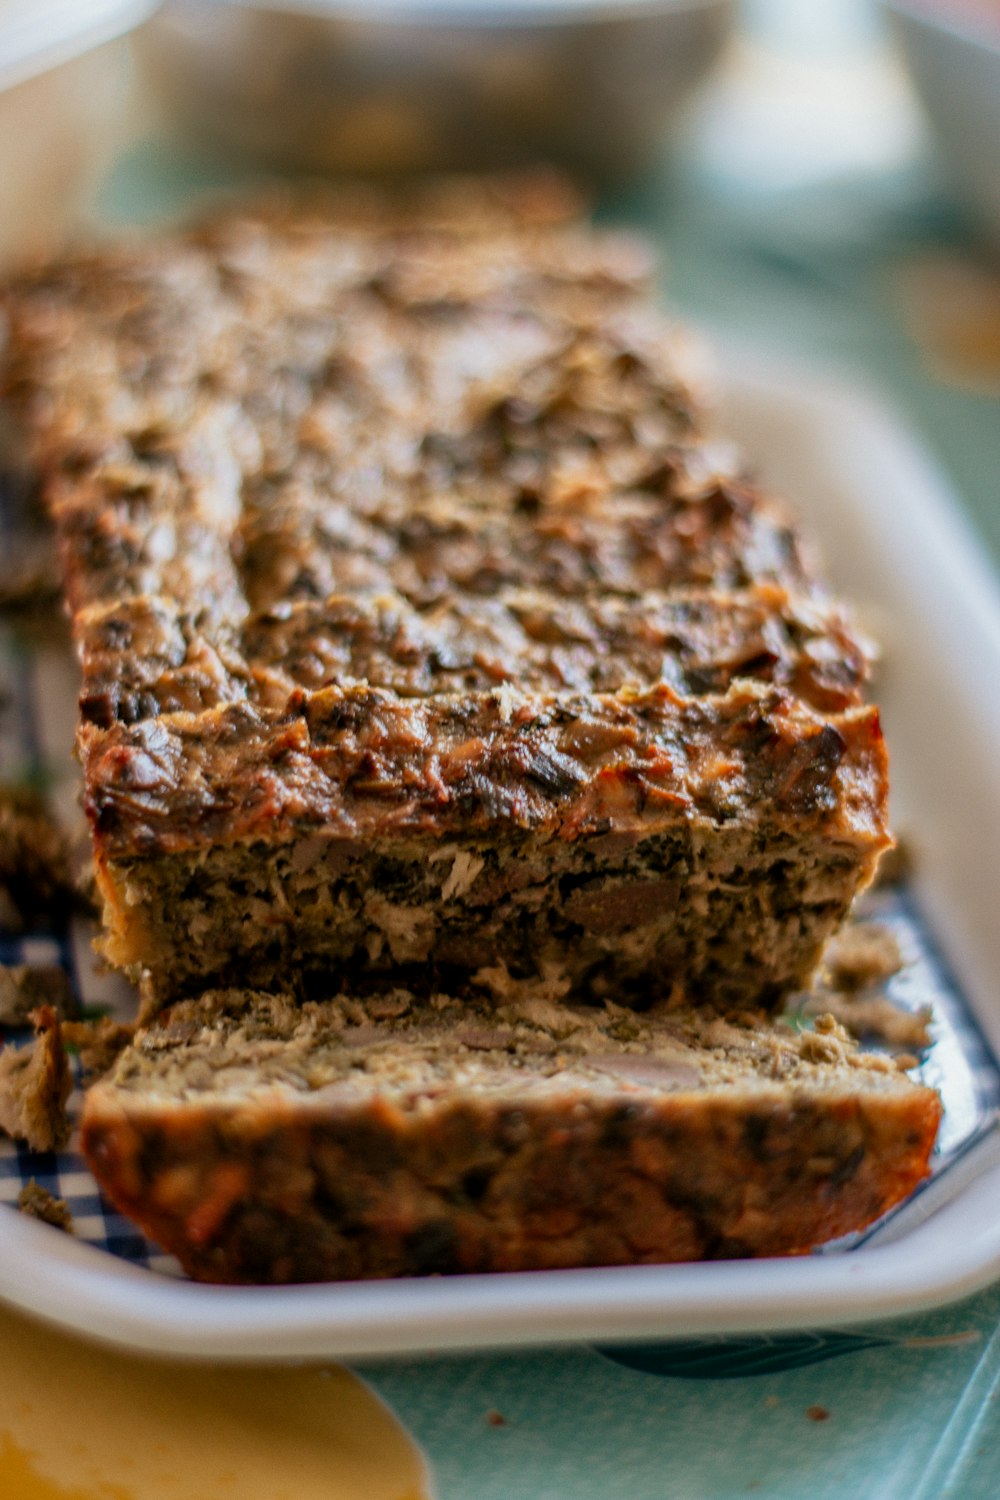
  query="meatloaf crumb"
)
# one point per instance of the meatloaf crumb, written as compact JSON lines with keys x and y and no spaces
{"x":35,"y":1085}
{"x":862,"y":954}
{"x":38,"y":1203}
{"x":97,"y":1042}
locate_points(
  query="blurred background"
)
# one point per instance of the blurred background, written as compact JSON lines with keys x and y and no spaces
{"x":823,"y":176}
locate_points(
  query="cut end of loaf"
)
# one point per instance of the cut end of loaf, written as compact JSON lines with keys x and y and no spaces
{"x":642,"y":843}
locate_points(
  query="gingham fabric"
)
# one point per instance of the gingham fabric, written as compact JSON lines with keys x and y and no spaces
{"x":65,"y":1173}
{"x":27,"y":737}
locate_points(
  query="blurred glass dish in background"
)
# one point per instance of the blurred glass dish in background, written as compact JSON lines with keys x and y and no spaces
{"x":62,"y":98}
{"x":952,"y":51}
{"x":397,"y":86}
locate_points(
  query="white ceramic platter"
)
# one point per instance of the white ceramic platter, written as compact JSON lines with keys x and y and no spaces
{"x":895,"y":542}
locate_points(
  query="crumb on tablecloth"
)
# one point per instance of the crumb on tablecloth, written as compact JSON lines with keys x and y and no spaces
{"x":35,"y":1084}
{"x":38,"y":1203}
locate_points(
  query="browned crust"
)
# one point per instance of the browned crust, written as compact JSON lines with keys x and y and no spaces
{"x":147,"y":657}
{"x":282,"y":1197}
{"x":362,"y":763}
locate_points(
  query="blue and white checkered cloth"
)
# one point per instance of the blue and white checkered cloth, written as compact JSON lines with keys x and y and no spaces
{"x":64,"y":1173}
{"x":26,"y":734}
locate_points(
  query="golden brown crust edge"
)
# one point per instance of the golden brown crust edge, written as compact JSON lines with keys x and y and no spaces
{"x":293,"y":1193}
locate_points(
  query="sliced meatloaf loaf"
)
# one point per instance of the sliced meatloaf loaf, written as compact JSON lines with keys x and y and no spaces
{"x":423,"y":625}
{"x":260,"y":1140}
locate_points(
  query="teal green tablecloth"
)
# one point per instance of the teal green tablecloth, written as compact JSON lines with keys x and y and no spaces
{"x":824,"y":267}
{"x":906,"y":1420}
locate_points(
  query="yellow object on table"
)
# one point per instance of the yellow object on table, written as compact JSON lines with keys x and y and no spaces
{"x":78,"y":1422}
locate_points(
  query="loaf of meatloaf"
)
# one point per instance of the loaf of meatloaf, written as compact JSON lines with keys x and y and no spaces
{"x":260,"y":1140}
{"x":424,"y":627}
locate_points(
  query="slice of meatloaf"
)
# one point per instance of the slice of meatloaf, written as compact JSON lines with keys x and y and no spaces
{"x":636,"y":844}
{"x":422,"y":621}
{"x":262,"y":1141}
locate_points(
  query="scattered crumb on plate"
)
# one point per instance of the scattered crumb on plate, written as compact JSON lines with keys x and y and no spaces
{"x":38,"y":1203}
{"x":35,"y":1084}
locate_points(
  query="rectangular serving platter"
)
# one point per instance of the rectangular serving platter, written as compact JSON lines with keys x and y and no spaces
{"x":895,"y":542}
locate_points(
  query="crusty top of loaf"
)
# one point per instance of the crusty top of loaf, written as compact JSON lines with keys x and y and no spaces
{"x":324,"y":479}
{"x":148,"y":656}
{"x":360,"y":762}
